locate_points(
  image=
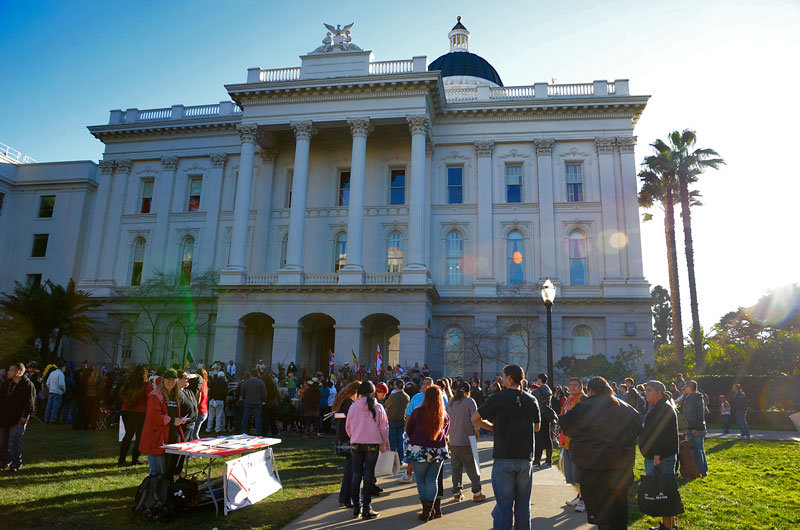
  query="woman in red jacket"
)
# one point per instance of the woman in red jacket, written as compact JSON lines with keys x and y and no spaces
{"x":202,"y":405}
{"x":134,"y":406}
{"x":162,"y":423}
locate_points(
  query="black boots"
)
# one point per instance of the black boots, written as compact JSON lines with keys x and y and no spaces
{"x":369,"y":513}
{"x":437,"y":508}
{"x":427,"y":511}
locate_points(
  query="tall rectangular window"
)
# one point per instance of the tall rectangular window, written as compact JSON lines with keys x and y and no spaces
{"x":33,"y":279}
{"x":147,"y":196}
{"x":513,"y":183}
{"x":574,"y":183}
{"x":46,"y":205}
{"x":397,"y":187}
{"x":287,"y":200}
{"x":195,"y":187}
{"x":344,"y":188}
{"x":455,"y":185}
{"x":39,"y":245}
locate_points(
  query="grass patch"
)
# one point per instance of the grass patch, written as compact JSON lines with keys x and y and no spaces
{"x":750,"y":485}
{"x":70,"y":479}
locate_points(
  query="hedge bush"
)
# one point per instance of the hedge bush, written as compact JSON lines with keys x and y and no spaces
{"x":763,"y":393}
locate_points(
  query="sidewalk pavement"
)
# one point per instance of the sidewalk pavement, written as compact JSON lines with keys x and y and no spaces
{"x":785,"y":436}
{"x":399,"y":504}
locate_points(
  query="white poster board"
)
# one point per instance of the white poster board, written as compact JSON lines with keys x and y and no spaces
{"x":249,"y":479}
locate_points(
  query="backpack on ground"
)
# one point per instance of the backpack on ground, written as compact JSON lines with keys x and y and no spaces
{"x":185,"y":494}
{"x":153,"y":500}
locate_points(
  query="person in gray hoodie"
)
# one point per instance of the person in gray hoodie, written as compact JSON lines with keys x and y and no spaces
{"x":694,"y":410}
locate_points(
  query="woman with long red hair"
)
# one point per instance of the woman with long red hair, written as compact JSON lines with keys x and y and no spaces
{"x":427,"y":429}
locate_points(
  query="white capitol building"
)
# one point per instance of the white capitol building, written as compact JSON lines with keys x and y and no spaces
{"x":349,"y":203}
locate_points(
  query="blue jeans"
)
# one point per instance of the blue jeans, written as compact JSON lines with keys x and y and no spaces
{"x":699,"y":450}
{"x":158,"y":464}
{"x":346,"y":489}
{"x":11,"y":446}
{"x":512,"y":480}
{"x":396,"y":429}
{"x":741,"y":420}
{"x":667,"y":465}
{"x":364,"y":457}
{"x":53,"y":407}
{"x":726,"y":422}
{"x":254,"y":410}
{"x":201,"y":419}
{"x":426,"y":475}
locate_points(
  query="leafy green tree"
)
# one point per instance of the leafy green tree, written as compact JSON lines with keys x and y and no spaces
{"x":662,"y":316}
{"x":687,"y":164}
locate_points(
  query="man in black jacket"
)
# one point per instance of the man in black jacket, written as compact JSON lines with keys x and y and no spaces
{"x":217,"y":392}
{"x":17,"y":397}
{"x":739,"y":410}
{"x":693,"y":407}
{"x":603,"y":432}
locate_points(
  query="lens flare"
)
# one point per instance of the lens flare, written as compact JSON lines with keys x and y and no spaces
{"x":618,"y":240}
{"x":516,"y":257}
{"x":777,"y":307}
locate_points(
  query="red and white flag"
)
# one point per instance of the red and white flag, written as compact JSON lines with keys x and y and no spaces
{"x":378,"y":361}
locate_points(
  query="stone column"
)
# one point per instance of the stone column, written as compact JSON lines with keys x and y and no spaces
{"x":547,"y":220}
{"x":630,"y":198}
{"x":164,"y":189}
{"x":353,"y":271}
{"x":608,"y":205}
{"x":415,"y":269}
{"x":264,"y":185}
{"x":293,"y":272}
{"x":97,"y":231}
{"x":428,"y":194}
{"x":286,"y":342}
{"x":413,"y":345}
{"x":111,"y":241}
{"x":236,"y":271}
{"x":347,"y":340}
{"x":213,"y":194}
{"x":485,"y":283}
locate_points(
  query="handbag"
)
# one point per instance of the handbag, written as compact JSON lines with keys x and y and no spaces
{"x":659,"y":496}
{"x":388,"y":463}
{"x":342,"y":448}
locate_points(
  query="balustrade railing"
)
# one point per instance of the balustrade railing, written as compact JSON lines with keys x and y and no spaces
{"x":13,"y":154}
{"x":320,"y":279}
{"x":401,"y":66}
{"x":454,"y":95}
{"x":277,"y":75}
{"x":383,"y":278}
{"x":574,"y":89}
{"x":511,"y":92}
{"x":155,"y":114}
{"x":262,"y":279}
{"x":201,"y":111}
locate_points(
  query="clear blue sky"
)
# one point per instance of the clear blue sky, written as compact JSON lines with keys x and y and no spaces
{"x":726,"y":68}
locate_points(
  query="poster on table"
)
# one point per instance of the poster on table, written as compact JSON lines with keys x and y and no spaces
{"x":249,"y":479}
{"x":222,"y":446}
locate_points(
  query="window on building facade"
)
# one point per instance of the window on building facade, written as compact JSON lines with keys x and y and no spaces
{"x":394,"y":252}
{"x":455,"y":185}
{"x":340,"y":251}
{"x":516,"y":258}
{"x":195,"y":187}
{"x":578,"y":270}
{"x":147,"y":196}
{"x":46,"y":205}
{"x":574,"y":182}
{"x":581,"y":342}
{"x":187,"y":257}
{"x":454,"y":264}
{"x":513,"y":183}
{"x":33,"y":279}
{"x":287,"y":201}
{"x":39,"y":249}
{"x":284,"y":246}
{"x":515,"y":345}
{"x":138,"y":261}
{"x":397,"y":187}
{"x":453,"y":351}
{"x":344,"y":188}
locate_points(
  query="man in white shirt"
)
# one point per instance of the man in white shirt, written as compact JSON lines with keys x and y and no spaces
{"x":231,"y":369}
{"x":56,"y":386}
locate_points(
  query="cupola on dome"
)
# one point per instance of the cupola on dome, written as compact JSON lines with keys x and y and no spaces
{"x":460,"y":67}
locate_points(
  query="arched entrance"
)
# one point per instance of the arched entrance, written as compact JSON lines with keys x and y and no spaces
{"x":318,"y":338}
{"x":382,"y":330}
{"x":257,"y":339}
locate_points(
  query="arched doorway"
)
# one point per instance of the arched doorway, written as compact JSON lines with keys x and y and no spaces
{"x":318,"y":338}
{"x":382,"y":330}
{"x":257,"y":339}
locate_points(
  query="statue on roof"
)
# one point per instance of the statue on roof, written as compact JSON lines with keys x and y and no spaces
{"x":337,"y":39}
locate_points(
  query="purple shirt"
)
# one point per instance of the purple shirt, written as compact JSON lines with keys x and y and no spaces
{"x":415,"y":428}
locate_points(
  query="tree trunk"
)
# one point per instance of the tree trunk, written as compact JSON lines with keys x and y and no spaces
{"x":674,"y":287}
{"x":686,"y":216}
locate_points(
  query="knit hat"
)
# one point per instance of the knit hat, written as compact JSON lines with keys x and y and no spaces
{"x":658,"y":385}
{"x":170,"y":374}
{"x":382,"y":388}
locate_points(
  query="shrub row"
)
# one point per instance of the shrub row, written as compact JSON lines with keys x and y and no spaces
{"x":763,"y":392}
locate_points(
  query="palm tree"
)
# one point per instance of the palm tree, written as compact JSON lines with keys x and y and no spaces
{"x":688,"y":164}
{"x":71,"y":307}
{"x":659,"y":186}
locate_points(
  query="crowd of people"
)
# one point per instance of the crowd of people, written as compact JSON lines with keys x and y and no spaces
{"x":427,"y":422}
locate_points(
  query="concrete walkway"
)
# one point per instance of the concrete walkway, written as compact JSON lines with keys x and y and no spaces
{"x":784,"y":436}
{"x":399,"y":504}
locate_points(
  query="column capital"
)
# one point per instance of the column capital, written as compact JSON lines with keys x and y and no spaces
{"x":418,"y":124}
{"x":107,"y":166}
{"x":544,"y":147}
{"x":429,"y":149}
{"x":248,"y":133}
{"x":626,"y":143}
{"x":604,"y":145}
{"x":218,"y":159}
{"x":484,"y":147}
{"x":170,"y":163}
{"x":124,"y":166}
{"x":359,"y":126}
{"x":303,"y":129}
{"x":269,"y":155}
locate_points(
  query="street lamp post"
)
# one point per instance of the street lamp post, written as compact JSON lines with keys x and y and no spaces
{"x":549,"y":296}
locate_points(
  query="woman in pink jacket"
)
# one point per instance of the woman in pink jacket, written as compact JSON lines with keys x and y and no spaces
{"x":368,"y":428}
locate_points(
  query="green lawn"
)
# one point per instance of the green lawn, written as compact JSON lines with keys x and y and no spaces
{"x":750,"y":485}
{"x":70,"y":479}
